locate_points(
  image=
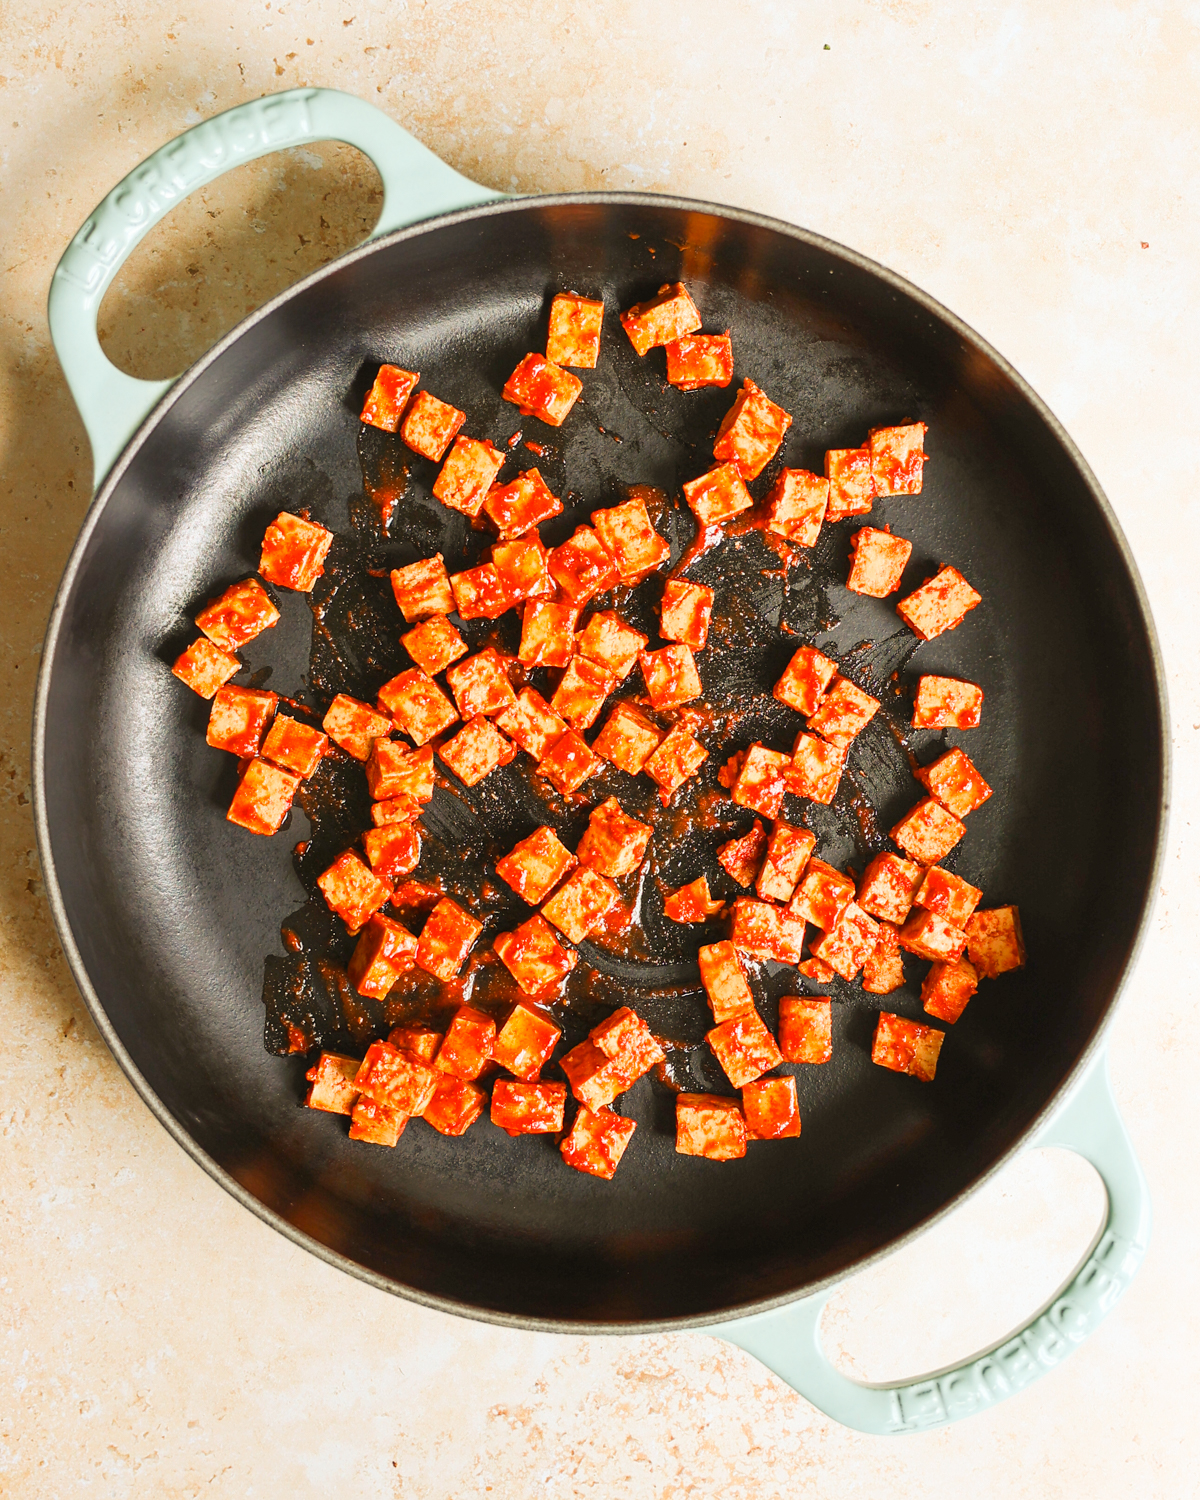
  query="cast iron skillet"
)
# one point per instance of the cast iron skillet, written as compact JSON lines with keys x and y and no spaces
{"x":166,"y":912}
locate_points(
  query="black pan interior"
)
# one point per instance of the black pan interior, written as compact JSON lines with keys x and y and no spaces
{"x":172,"y":910}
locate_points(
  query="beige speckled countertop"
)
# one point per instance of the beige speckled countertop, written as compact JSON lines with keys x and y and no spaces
{"x":1036,"y":166}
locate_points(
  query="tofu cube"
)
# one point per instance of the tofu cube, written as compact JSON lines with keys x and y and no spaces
{"x":796,"y":506}
{"x":534,"y":866}
{"x":531,"y":723}
{"x":352,"y":890}
{"x":455,"y":1106}
{"x":294,"y":746}
{"x":906,"y":1046}
{"x":724,"y":982}
{"x":788,"y":851}
{"x":692,"y":903}
{"x":568,"y":763}
{"x":446,"y":939}
{"x":928,"y":833}
{"x":388,"y":397}
{"x":468,"y":475}
{"x":518,"y":507}
{"x":417,"y":705}
{"x":817,"y":970}
{"x":625,"y":1035}
{"x":762,"y":780}
{"x":628,"y":739}
{"x":387,"y":769}
{"x":467,"y":1045}
{"x":548,"y":632}
{"x":953,"y":781}
{"x":597,"y":1141}
{"x":941,"y":603}
{"x":434,"y":645}
{"x":662,"y":319}
{"x":851,"y":486}
{"x":744,"y":1047}
{"x":294,"y":551}
{"x":204,"y":667}
{"x":770,"y":1108}
{"x":332,"y":1080}
{"x":355,"y":726}
{"x":480,"y":684}
{"x":883,"y":972}
{"x":947,"y":988}
{"x":583,"y":566}
{"x":816,"y":768}
{"x":384,"y":951}
{"x":848,"y":945}
{"x":395,"y":1079}
{"x":574,"y":337}
{"x":803,"y":684}
{"x":889,"y":886}
{"x":378,"y":1124}
{"x":718,"y":495}
{"x":897,"y":458}
{"x":543,"y":390}
{"x":580,"y":694}
{"x":595,"y":1078}
{"x":677,"y":757}
{"x":243,"y":611}
{"x":948,"y":895}
{"x":767,"y":931}
{"x":685,"y":611}
{"x":263,"y":797}
{"x":627,"y":533}
{"x":709,"y":1125}
{"x":751,"y":432}
{"x":822,"y":896}
{"x":581,"y":904}
{"x":927,"y":935}
{"x":742,"y":857}
{"x":238,"y":719}
{"x":877,"y":562}
{"x":429,"y":425}
{"x":525,"y":1043}
{"x":479,"y":593}
{"x":423,"y":589}
{"x":523,"y":567}
{"x":476,"y":750}
{"x":947,"y":703}
{"x":393,"y":850}
{"x":529,"y":1108}
{"x":700,"y":359}
{"x":843,"y":713}
{"x":419,"y":1041}
{"x":805,"y":1029}
{"x":995,"y":942}
{"x":671,"y":677}
{"x":607,"y":640}
{"x":613,"y":843}
{"x":534,"y":957}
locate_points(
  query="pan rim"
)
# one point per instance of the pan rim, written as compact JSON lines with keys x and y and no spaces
{"x":458,"y":1307}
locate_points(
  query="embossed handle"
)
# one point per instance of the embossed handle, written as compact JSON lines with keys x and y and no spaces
{"x":416,"y":185}
{"x":788,"y":1341}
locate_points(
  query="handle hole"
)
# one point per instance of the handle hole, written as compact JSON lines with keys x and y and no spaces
{"x":971,"y":1279}
{"x":231,"y":246}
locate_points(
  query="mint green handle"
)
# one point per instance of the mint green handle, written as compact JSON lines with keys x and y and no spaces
{"x":788,"y":1340}
{"x":416,"y":185}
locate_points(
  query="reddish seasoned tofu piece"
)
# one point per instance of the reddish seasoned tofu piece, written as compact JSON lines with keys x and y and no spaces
{"x":467,"y":475}
{"x":677,"y":757}
{"x":947,"y":988}
{"x":583,"y":566}
{"x":788,"y":851}
{"x":685,"y":612}
{"x":394,"y":1078}
{"x":531,"y":723}
{"x":446,"y":939}
{"x":548,"y":632}
{"x":844,"y":712}
{"x":205,"y":667}
{"x":724,"y":982}
{"x":534,"y":866}
{"x":467,"y":1045}
{"x":429,"y":425}
{"x":741,"y":858}
{"x":817,"y":970}
{"x":522,"y":567}
{"x":574,"y":337}
{"x":355,"y":726}
{"x":889,"y":886}
{"x":805,"y":1029}
{"x":745,"y":1048}
{"x":948,"y":895}
{"x":332,"y":1080}
{"x":906,"y":1046}
{"x":883,"y":972}
{"x":803,"y":684}
{"x":420,"y":1041}
{"x":417,"y":705}
{"x":580,"y":694}
{"x":525,"y":1043}
{"x":851,"y":487}
{"x":762,"y":780}
{"x":263,"y":797}
{"x":613,"y":843}
{"x":595,"y":1078}
{"x":816,"y":768}
{"x":953,"y":781}
{"x":238,"y":719}
{"x":520,"y":506}
{"x":377,"y":1123}
{"x":662,"y":319}
{"x":476,"y":750}
{"x":628,"y":534}
{"x":607,"y":640}
{"x":384,"y":951}
{"x":877,"y":562}
{"x":388,"y":397}
{"x":403,"y":809}
{"x":709,"y":1125}
{"x":529,"y":1108}
{"x":770,"y":1108}
{"x":423,"y":589}
{"x":751,"y":432}
{"x":796,"y":506}
{"x":822,"y":896}
{"x":434,"y":645}
{"x":480,"y":684}
{"x":628,"y":739}
{"x":479,"y":593}
{"x":995,"y":941}
{"x":597,"y":1141}
{"x":767,"y":931}
{"x":947,"y":703}
{"x":542,"y":390}
{"x":387,"y":770}
{"x":353,"y":890}
{"x":928,"y":833}
{"x":671,"y":677}
{"x":848,"y":946}
{"x":534,"y":957}
{"x":718,"y":495}
{"x":294,"y":746}
{"x":700,"y":359}
{"x":581,"y":903}
{"x":243,"y":611}
{"x":455,"y":1106}
{"x":294,"y":552}
{"x":568,"y":763}
{"x":941,"y":603}
{"x":625,"y":1035}
{"x":898,"y":458}
{"x":927,"y":935}
{"x":692,"y":902}
{"x":393,"y":850}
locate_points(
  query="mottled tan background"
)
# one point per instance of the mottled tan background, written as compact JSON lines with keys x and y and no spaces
{"x":1033,"y":164}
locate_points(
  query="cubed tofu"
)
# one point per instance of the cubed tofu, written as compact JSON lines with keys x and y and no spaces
{"x":770,"y":1108}
{"x":388,"y":771}
{"x":613,"y":843}
{"x":568,"y":763}
{"x":953,"y":781}
{"x":751,"y":432}
{"x":403,"y":809}
{"x":624,"y":1035}
{"x":796,"y":506}
{"x":607,"y":640}
{"x":685,"y":612}
{"x":384,"y":951}
{"x":529,"y":1108}
{"x":709,"y":1125}
{"x":294,"y":551}
{"x":434,"y":645}
{"x":455,"y":1106}
{"x":662,"y":319}
{"x":531,"y":723}
{"x":355,"y":726}
{"x":848,"y":946}
{"x":378,"y":1124}
{"x":843,"y":713}
{"x":995,"y":942}
{"x":422,"y":589}
{"x":888,"y":887}
{"x":548,"y":632}
{"x":877,"y":562}
{"x":543,"y":390}
{"x":595,"y":1078}
{"x":522,"y":567}
{"x":583,"y":566}
{"x":332,"y":1083}
{"x":700,"y":359}
{"x":480,"y":685}
{"x":822,"y":896}
{"x":677,"y":757}
{"x":518,"y":507}
{"x":947,"y":988}
{"x":352,"y":890}
{"x":243,"y":611}
{"x":928,"y":833}
{"x":446,"y":939}
{"x":762,"y":780}
{"x":263,"y":797}
{"x":534,"y":957}
{"x":883,"y":972}
{"x":941,"y":603}
{"x":816,"y":768}
{"x":525,"y":1043}
{"x":803,"y":684}
{"x":817,"y":970}
{"x":724,"y":981}
{"x":851,"y":487}
{"x":205,"y":667}
{"x":765,"y":930}
{"x":393,"y":850}
{"x":742,"y":858}
{"x":467,"y":475}
{"x":534,"y":866}
{"x":692,"y":902}
{"x":580,"y":694}
{"x":745,"y":1048}
{"x":388,"y":397}
{"x":596,"y":1141}
{"x":476,"y":750}
{"x":926,"y":935}
{"x":948,"y":895}
{"x":805,"y":1029}
{"x":718,"y":495}
{"x":429,"y":425}
{"x":396,"y":1079}
{"x":294,"y":746}
{"x":898,"y":458}
{"x":467,"y":1045}
{"x":479,"y":593}
{"x":788,"y":851}
{"x":574,"y":337}
{"x":417,"y":705}
{"x":420,"y":1041}
{"x":581,"y":904}
{"x":628,"y":739}
{"x":671,"y":677}
{"x":628,"y":534}
{"x":947,"y":703}
{"x":239,"y":718}
{"x":906,"y":1046}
